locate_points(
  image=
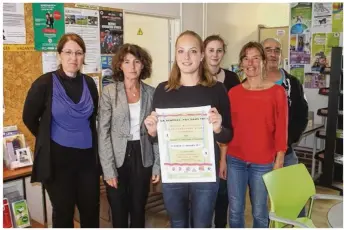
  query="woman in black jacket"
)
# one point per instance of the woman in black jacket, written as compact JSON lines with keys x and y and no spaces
{"x":215,"y":49}
{"x":60,"y":111}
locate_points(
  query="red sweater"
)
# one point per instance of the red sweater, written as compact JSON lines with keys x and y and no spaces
{"x":260,"y":123}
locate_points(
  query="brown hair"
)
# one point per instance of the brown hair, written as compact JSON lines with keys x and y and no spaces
{"x":215,"y":37}
{"x":206,"y":79}
{"x":139,"y":53}
{"x":70,"y":37}
{"x":253,"y":45}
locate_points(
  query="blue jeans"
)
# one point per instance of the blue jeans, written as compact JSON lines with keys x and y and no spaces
{"x":240,"y":174}
{"x":202,"y":197}
{"x":291,"y":159}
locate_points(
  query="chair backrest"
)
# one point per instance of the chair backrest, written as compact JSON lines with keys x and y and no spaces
{"x":289,"y":189}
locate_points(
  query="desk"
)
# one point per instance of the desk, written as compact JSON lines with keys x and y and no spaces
{"x":335,"y":216}
{"x":309,"y":131}
{"x":22,"y":173}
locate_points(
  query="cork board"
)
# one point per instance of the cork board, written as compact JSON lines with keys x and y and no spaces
{"x":20,"y":69}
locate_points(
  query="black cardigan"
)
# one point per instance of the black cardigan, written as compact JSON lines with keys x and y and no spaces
{"x":37,"y":118}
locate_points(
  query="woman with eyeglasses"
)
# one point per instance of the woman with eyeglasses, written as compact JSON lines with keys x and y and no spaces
{"x":60,"y":111}
{"x":259,"y":112}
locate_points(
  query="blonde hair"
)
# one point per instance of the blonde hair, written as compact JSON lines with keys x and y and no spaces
{"x":206,"y":79}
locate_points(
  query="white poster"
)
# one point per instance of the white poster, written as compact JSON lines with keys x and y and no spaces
{"x":85,"y":22}
{"x":322,"y":17}
{"x":49,"y":61}
{"x":13,"y":23}
{"x":186,"y":145}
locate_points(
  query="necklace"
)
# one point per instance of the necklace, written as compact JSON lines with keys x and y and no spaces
{"x":133,"y":93}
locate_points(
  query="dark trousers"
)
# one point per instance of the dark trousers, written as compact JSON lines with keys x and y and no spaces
{"x":75,"y":182}
{"x":130,"y":197}
{"x":221,"y":205}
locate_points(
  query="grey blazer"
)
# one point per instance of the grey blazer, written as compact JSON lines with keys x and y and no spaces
{"x":114,"y":129}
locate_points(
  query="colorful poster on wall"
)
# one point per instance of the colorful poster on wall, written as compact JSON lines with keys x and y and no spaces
{"x":337,"y":17}
{"x":319,"y":58}
{"x":300,"y":43}
{"x":14,"y":23}
{"x":106,"y":70}
{"x":298,"y":71}
{"x":315,"y":80}
{"x":322,"y":44}
{"x":111,"y":31}
{"x":48,"y":25}
{"x":85,"y":22}
{"x":322,"y":17}
{"x":301,"y":18}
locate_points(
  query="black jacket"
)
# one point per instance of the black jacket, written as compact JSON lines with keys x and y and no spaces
{"x":37,"y":118}
{"x":298,"y":108}
{"x":231,"y":79}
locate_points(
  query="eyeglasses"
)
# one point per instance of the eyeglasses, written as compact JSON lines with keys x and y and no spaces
{"x":270,"y":51}
{"x":69,"y":53}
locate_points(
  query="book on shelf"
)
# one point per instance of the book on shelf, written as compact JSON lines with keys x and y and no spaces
{"x":21,"y":214}
{"x":7,"y":216}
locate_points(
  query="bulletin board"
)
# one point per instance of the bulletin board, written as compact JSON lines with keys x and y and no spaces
{"x":22,"y":65}
{"x":20,"y":69}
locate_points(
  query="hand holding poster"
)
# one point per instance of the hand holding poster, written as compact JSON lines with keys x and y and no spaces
{"x":186,"y":145}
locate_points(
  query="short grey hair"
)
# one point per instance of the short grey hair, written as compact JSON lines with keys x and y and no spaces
{"x":271,"y":39}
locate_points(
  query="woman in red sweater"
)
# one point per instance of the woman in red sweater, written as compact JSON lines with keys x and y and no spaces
{"x":259,"y":117}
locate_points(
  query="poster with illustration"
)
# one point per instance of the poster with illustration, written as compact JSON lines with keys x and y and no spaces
{"x":315,"y":80}
{"x":322,"y":17}
{"x":111,"y":31}
{"x":298,"y":71}
{"x":301,"y":17}
{"x":48,"y":25}
{"x":337,"y":17}
{"x":322,"y":44}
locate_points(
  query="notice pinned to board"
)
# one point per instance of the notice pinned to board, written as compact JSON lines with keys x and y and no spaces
{"x":280,"y":32}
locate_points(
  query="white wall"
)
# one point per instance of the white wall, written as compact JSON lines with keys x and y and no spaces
{"x":238,"y":23}
{"x":192,"y":17}
{"x":162,"y":9}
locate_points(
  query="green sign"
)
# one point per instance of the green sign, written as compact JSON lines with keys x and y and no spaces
{"x":48,"y":24}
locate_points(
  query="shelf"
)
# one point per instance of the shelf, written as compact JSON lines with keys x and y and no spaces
{"x":338,"y":159}
{"x":324,"y":111}
{"x":322,"y":134}
{"x":325,"y":91}
{"x":35,"y":224}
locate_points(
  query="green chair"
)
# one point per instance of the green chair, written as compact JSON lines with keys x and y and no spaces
{"x":289,"y":189}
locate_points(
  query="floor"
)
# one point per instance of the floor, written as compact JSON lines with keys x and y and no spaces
{"x":157,"y":216}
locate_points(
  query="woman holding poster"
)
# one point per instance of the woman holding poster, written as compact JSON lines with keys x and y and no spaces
{"x":190,"y":165}
{"x":260,"y":124}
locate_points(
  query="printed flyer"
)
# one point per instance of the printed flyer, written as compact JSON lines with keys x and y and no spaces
{"x":48,"y":25}
{"x":298,"y":71}
{"x":111,"y":31}
{"x":301,"y":18}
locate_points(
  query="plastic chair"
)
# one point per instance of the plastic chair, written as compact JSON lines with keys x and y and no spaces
{"x":289,"y":189}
